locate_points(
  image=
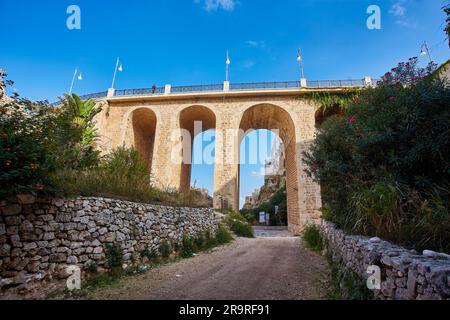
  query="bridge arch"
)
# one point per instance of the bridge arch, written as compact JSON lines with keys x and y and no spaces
{"x":140,"y":133}
{"x":276,"y":118}
{"x":188,"y":117}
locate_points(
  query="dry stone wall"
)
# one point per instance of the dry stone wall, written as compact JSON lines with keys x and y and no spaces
{"x":39,"y":239}
{"x":405,"y":274}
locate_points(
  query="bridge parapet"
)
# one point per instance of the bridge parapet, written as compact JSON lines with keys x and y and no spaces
{"x":235,"y":87}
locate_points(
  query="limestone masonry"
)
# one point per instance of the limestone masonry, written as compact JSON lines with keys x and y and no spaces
{"x":153,"y":125}
{"x":39,"y":239}
{"x":405,"y":274}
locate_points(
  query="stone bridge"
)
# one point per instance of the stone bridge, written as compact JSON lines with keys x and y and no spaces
{"x":152,"y":120}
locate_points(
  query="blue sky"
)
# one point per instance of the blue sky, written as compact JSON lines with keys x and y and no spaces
{"x":184,"y":42}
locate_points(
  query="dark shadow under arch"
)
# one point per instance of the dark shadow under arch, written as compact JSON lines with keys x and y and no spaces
{"x":143,"y":123}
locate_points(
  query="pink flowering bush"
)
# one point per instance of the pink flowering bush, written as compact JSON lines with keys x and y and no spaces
{"x":384,"y":165}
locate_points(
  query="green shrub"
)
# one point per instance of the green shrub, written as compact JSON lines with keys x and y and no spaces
{"x":210,"y":241}
{"x":241,"y":229}
{"x":187,"y":247}
{"x":313,"y":238}
{"x":36,"y":139}
{"x":165,"y":249}
{"x":100,"y":280}
{"x":345,"y":285}
{"x":430,"y":227}
{"x":199,"y":242}
{"x":92,"y":267}
{"x":223,"y":236}
{"x":27,"y":147}
{"x":278,"y":199}
{"x":76,"y":133}
{"x":383,"y":164}
{"x":150,"y":254}
{"x":125,"y":175}
{"x":239,"y":224}
{"x":114,"y":257}
{"x":327,"y":215}
{"x":234,"y":215}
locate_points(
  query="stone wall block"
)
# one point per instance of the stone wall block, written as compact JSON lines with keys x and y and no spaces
{"x":406,"y":275}
{"x":39,"y":240}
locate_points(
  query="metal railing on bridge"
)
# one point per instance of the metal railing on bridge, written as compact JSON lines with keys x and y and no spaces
{"x":251,"y":86}
{"x":335,"y":83}
{"x":97,"y":95}
{"x":264,"y":85}
{"x":197,"y":88}
{"x":139,"y":92}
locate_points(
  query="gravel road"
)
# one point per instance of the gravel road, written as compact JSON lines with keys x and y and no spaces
{"x":273,"y":266}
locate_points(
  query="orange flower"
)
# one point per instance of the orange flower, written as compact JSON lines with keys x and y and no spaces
{"x":33,"y":167}
{"x":8,"y":163}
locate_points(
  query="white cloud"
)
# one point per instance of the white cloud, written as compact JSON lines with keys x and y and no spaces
{"x":214,"y":5}
{"x":398,"y":10}
{"x":260,"y":173}
{"x":247,"y":64}
{"x":256,"y":44}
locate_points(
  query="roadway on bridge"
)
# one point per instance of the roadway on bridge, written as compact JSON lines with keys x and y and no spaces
{"x":272,"y":266}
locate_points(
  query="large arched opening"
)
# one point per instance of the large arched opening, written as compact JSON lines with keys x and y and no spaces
{"x":278,"y":120}
{"x":195,"y":122}
{"x":143,"y":129}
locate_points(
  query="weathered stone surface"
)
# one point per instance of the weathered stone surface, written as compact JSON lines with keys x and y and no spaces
{"x":72,"y":260}
{"x":30,"y":246}
{"x":294,"y":117}
{"x":26,"y":199}
{"x":11,"y":210}
{"x":407,"y":275}
{"x":12,"y":220}
{"x":46,"y":237}
{"x":375,"y":240}
{"x":98,"y":250}
{"x":5,"y":250}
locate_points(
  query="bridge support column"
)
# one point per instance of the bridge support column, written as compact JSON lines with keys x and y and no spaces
{"x":309,"y":193}
{"x":167,"y":154}
{"x":226,"y":172}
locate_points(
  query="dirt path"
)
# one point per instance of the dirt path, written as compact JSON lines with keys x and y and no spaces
{"x":269,"y":267}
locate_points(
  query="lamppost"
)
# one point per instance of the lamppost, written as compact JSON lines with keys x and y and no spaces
{"x":80,"y":77}
{"x":117,"y":68}
{"x":227,"y":62}
{"x":300,"y":60}
{"x":303,"y":82}
{"x":425,"y":51}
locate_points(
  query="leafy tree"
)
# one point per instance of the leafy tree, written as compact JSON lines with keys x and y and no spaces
{"x":37,"y":139}
{"x":27,"y":144}
{"x":278,"y":199}
{"x":82,"y":114}
{"x":384,"y":165}
{"x":77,"y":133}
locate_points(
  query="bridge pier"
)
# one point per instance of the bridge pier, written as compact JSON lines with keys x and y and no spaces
{"x":138,"y":121}
{"x":226,"y":171}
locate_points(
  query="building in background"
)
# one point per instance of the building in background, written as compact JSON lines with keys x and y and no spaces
{"x":274,"y":176}
{"x":275,"y":166}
